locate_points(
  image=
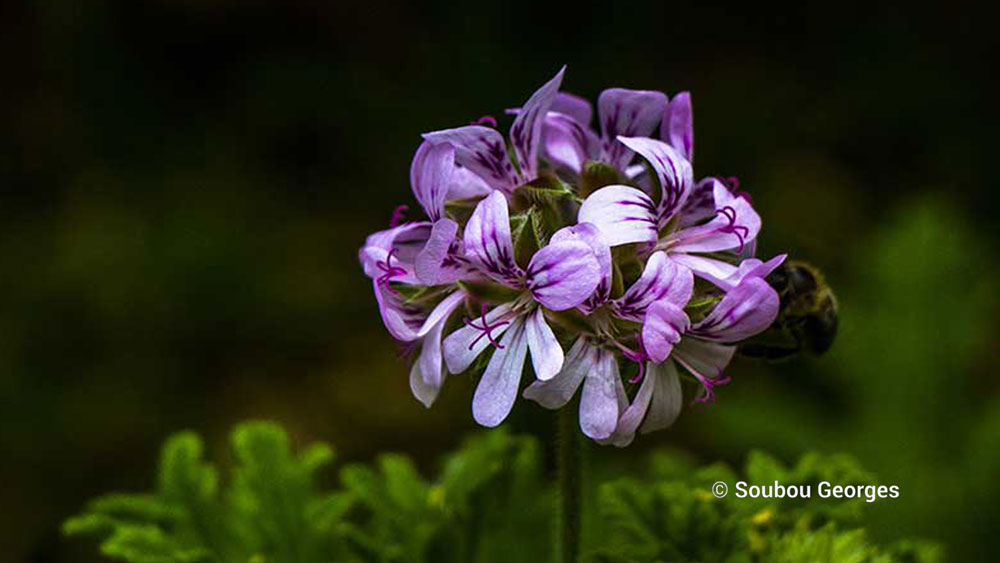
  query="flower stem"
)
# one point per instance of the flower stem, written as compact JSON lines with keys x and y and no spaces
{"x":569,"y":478}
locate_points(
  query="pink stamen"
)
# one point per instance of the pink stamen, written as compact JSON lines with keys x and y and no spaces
{"x":485,"y":120}
{"x":486,"y":329}
{"x":397,"y":216}
{"x":390,"y":270}
{"x":740,"y":231}
{"x":639,"y":357}
{"x":732,"y":182}
{"x":710,"y":385}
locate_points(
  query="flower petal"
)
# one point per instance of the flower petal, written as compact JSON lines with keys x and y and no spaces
{"x":563,"y":275}
{"x":574,"y":106}
{"x":546,"y":353}
{"x":703,"y":358}
{"x":427,"y":373}
{"x":749,"y":268}
{"x":662,"y":279}
{"x":747,"y":309}
{"x":589,"y":233}
{"x":634,"y":414}
{"x":430,"y":176}
{"x":710,"y":269}
{"x":556,"y":392}
{"x":628,"y":113}
{"x":497,"y":389}
{"x":406,"y":240}
{"x":666,"y":403}
{"x":736,"y":224}
{"x":437,"y":263}
{"x":662,"y":328}
{"x":599,"y":400}
{"x":526,"y":131}
{"x":672,"y":170}
{"x":677,"y":128}
{"x":483,"y":151}
{"x":623,"y":214}
{"x":466,"y":184}
{"x":567,"y":142}
{"x":700,"y":205}
{"x":488,"y":242}
{"x":464,"y":345}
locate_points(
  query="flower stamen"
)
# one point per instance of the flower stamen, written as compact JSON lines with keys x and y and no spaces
{"x":485,"y":120}
{"x":397,"y":216}
{"x":390,"y":270}
{"x":486,"y":328}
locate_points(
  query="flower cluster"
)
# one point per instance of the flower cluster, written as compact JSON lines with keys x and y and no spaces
{"x":596,"y":253}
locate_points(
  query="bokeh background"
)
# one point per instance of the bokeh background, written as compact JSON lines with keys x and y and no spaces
{"x":186,"y":183}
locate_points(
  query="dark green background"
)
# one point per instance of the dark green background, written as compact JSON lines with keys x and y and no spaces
{"x":186,"y":184}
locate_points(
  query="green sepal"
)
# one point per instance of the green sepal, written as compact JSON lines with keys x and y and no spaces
{"x":596,"y":175}
{"x":554,"y":201}
{"x":460,"y":210}
{"x":524,"y":231}
{"x":489,"y":292}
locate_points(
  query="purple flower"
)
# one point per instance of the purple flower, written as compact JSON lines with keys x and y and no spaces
{"x":570,"y":143}
{"x":628,"y":215}
{"x":483,"y":150}
{"x":558,"y":277}
{"x":704,"y":350}
{"x":656,"y":301}
{"x":618,"y":282}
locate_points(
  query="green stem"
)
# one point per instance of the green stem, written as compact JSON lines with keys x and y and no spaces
{"x":569,"y":478}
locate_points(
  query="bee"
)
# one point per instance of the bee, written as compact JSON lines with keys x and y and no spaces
{"x":807,"y":318}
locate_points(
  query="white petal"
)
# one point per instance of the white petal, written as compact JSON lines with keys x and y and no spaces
{"x":546,"y":354}
{"x":497,"y":389}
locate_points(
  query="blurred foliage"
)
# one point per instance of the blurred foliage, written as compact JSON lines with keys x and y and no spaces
{"x":489,"y":503}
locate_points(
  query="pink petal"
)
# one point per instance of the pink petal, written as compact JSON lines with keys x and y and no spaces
{"x":487,"y":239}
{"x":563,"y":275}
{"x":430,"y":176}
{"x":672,"y":170}
{"x":662,"y":328}
{"x":497,"y":390}
{"x":662,"y":279}
{"x":628,"y":113}
{"x":623,"y":215}
{"x":526,"y":131}
{"x":556,"y":392}
{"x":747,"y":309}
{"x":678,"y":128}
{"x":483,"y":151}
{"x":546,"y":353}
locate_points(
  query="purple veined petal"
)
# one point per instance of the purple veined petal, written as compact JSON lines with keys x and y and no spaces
{"x":589,"y":233}
{"x":440,"y":313}
{"x":466,"y":184}
{"x":497,"y":390}
{"x":481,"y":150}
{"x":749,"y":268}
{"x":735,"y":225}
{"x":599,"y":399}
{"x":546,"y":353}
{"x":430,"y":176}
{"x":623,"y":215}
{"x":403,"y":322}
{"x":627,"y":113}
{"x":710,"y":269}
{"x":526,"y":131}
{"x":662,"y":328}
{"x":563,"y":275}
{"x":437,"y":263}
{"x":703,"y":358}
{"x":662,"y":280}
{"x":487,"y":239}
{"x":556,"y":392}
{"x":404,"y":241}
{"x":678,"y":128}
{"x":634,"y":414}
{"x":567,"y":143}
{"x":464,"y":345}
{"x":747,"y":309}
{"x":427,"y":373}
{"x":666,"y":403}
{"x":700,"y":205}
{"x":574,"y":106}
{"x":672,"y":170}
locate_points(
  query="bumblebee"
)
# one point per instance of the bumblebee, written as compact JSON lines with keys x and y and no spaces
{"x":807,"y":318}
